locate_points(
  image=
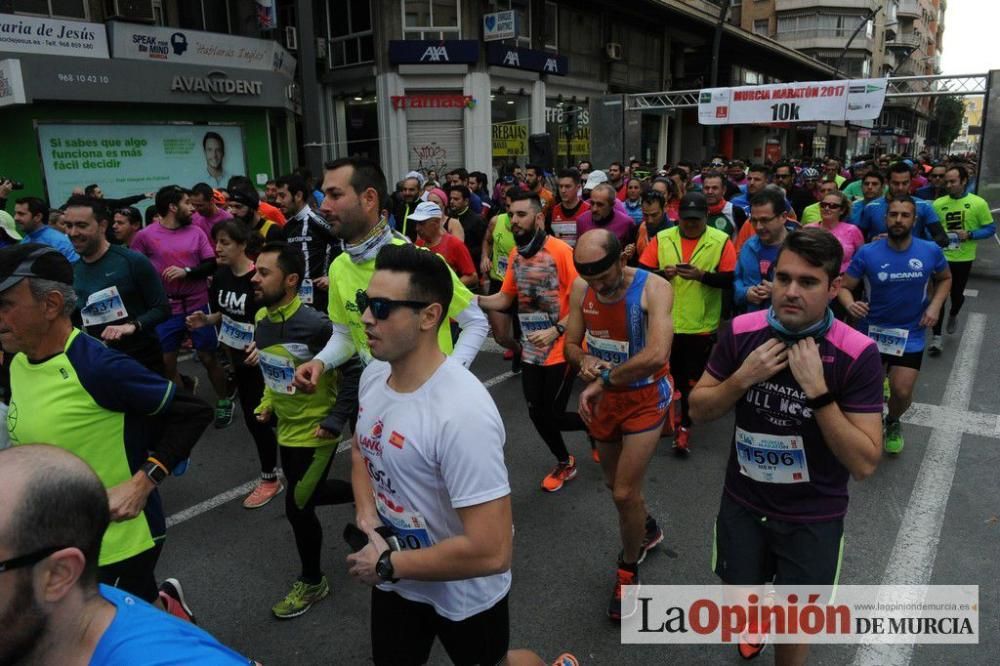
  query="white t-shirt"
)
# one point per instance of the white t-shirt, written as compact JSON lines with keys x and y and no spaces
{"x":428,"y":454}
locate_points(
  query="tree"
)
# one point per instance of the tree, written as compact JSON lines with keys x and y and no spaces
{"x":946,"y":123}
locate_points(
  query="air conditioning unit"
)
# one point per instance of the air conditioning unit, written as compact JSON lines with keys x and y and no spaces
{"x":130,"y":10}
{"x":291,"y":38}
{"x":322,"y":45}
{"x":613,"y":50}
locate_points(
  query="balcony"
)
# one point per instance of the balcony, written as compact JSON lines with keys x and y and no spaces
{"x":790,"y":5}
{"x":909,"y":41}
{"x":909,"y":9}
{"x":823,"y":39}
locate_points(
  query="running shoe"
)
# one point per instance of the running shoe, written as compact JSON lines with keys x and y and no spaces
{"x":936,"y":346}
{"x":559,"y":475}
{"x":508,"y":355}
{"x":300,"y":599}
{"x":624,"y":605}
{"x":893,"y":437}
{"x":223,"y":413}
{"x":751,"y":645}
{"x":952,"y":323}
{"x":172,"y":596}
{"x":264,"y":492}
{"x":566,"y":659}
{"x":652,"y":538}
{"x":682,"y":437}
{"x":593,"y":450}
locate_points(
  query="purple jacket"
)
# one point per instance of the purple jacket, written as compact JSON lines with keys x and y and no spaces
{"x":620,"y":225}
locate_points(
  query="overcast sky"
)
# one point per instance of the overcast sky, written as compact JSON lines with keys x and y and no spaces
{"x":970,"y":36}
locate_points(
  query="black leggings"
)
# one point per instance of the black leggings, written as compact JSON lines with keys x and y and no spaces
{"x":134,"y":575}
{"x":305,"y":470}
{"x":546,"y":390}
{"x":250,"y":388}
{"x":959,"y":278}
{"x":688,"y":358}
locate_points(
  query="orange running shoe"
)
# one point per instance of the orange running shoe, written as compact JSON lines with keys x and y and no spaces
{"x":624,"y":605}
{"x":559,"y":475}
{"x":264,"y":492}
{"x":682,"y":444}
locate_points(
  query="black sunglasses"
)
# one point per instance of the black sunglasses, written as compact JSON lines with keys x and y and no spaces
{"x":383,"y":307}
{"x":28,"y":560}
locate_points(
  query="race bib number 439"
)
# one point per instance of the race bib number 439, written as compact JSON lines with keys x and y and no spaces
{"x":771,"y":458}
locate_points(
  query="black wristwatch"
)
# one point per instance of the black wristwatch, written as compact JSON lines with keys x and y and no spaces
{"x":383,"y":568}
{"x":820,"y":401}
{"x":154,"y":471}
{"x":560,"y":328}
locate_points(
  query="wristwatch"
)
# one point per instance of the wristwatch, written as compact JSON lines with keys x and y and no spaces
{"x":154,"y":471}
{"x":560,"y":328}
{"x":187,"y":270}
{"x":606,"y":376}
{"x":820,"y":401}
{"x":383,"y":567}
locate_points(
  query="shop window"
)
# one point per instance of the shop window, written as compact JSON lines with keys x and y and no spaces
{"x":523,"y":10}
{"x":350,"y":28}
{"x":431,"y":19}
{"x":54,"y":8}
{"x":203,"y":15}
{"x":550,"y":27}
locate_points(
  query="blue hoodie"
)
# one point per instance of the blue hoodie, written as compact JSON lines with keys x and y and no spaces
{"x":748,"y":272}
{"x":634,"y":211}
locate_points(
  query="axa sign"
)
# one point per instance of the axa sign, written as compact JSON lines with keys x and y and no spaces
{"x":433,"y":52}
{"x":528,"y":59}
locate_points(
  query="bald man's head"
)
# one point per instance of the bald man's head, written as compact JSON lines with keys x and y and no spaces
{"x":595,"y":245}
{"x":54,"y":500}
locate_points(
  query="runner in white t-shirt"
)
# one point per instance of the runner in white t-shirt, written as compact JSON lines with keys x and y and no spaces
{"x":435,"y":477}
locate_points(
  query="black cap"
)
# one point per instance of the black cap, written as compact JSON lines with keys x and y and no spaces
{"x":33,"y":260}
{"x":693,"y":204}
{"x":246,"y":197}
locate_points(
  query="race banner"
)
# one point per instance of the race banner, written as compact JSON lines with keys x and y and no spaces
{"x":856,"y":100}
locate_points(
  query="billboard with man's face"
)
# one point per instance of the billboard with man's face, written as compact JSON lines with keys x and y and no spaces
{"x":130,"y":159}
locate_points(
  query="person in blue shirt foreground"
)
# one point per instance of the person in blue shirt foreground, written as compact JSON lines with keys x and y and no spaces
{"x":52,"y":610}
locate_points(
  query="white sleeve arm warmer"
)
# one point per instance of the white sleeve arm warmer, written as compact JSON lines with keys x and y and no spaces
{"x":474,"y":327}
{"x":338,"y":349}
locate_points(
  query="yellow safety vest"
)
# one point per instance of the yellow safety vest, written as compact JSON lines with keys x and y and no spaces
{"x":697,"y":306}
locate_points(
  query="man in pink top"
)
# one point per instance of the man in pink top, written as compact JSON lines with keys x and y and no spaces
{"x":184,"y":258}
{"x":207,"y":214}
{"x":608,"y":213}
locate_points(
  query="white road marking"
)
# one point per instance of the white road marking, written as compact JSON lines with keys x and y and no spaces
{"x":209,"y":504}
{"x":948,"y":418}
{"x":911,"y":561}
{"x":971,"y":293}
{"x":241,"y":491}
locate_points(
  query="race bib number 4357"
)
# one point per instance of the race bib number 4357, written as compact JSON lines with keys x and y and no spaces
{"x":771,"y":458}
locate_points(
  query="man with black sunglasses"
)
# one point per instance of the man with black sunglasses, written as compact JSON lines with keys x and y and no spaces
{"x":52,"y":609}
{"x":435,"y":477}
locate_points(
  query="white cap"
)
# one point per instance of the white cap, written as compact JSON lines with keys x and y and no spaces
{"x":594,"y":179}
{"x":425,"y":210}
{"x":416,"y":175}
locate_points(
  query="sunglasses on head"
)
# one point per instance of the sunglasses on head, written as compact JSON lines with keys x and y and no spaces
{"x":383,"y":307}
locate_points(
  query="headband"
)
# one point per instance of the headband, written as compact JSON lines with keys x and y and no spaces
{"x":596,"y":267}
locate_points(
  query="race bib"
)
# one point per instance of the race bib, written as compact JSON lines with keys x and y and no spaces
{"x":953,"y":241}
{"x":771,"y":458}
{"x":891,"y":341}
{"x":565,"y":231}
{"x":235,"y":334}
{"x":278,"y":372}
{"x":409,"y":526}
{"x":103,"y":307}
{"x":534,"y":321}
{"x":612,"y":351}
{"x":306,"y":291}
{"x":502,"y":265}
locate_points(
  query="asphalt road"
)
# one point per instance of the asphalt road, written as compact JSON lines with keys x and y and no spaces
{"x":912,"y":518}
